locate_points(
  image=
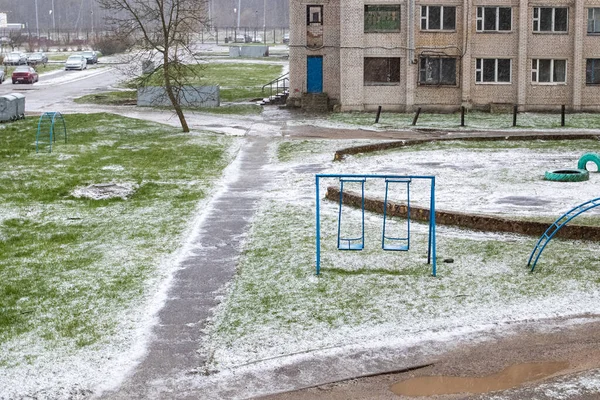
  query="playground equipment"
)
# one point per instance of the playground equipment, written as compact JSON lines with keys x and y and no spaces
{"x":356,"y":243}
{"x":575,"y":175}
{"x":388,"y":242}
{"x":48,"y":130}
{"x":555,"y":227}
{"x":589,"y":157}
{"x":391,"y":243}
{"x":567,"y":175}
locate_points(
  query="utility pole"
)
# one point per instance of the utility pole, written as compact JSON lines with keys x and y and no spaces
{"x":37,"y":22}
{"x":53,"y":17}
{"x":239,"y":12}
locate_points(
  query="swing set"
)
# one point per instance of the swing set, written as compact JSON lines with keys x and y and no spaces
{"x":389,"y":242}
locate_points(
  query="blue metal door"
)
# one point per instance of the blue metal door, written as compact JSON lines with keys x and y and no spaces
{"x":314,"y":74}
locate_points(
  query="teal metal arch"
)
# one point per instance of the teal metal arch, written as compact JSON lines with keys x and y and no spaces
{"x":555,"y":227}
{"x":48,"y":130}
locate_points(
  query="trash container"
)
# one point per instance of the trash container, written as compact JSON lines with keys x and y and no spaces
{"x":20,"y":104}
{"x":8,"y":108}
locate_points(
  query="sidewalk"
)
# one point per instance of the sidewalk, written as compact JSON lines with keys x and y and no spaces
{"x":198,"y":282}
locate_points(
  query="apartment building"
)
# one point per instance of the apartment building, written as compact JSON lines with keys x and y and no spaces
{"x":443,"y":54}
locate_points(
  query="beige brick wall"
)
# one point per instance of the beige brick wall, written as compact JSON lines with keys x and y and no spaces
{"x":345,"y":45}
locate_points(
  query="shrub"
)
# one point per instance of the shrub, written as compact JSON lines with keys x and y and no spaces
{"x":109,"y":45}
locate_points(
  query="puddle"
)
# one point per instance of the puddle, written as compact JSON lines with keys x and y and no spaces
{"x":523,"y":201}
{"x":510,"y":377}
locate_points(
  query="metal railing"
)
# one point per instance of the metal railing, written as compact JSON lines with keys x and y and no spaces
{"x":278,"y":86}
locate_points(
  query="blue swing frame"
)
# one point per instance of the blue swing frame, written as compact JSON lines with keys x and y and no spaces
{"x":431,"y":251}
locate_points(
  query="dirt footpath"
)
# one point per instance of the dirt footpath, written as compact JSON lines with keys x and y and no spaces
{"x":578,"y":346}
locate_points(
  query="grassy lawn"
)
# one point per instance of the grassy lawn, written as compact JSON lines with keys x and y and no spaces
{"x":277,"y":305}
{"x":473,"y":120}
{"x":109,"y":98}
{"x":129,"y":97}
{"x":73,"y":270}
{"x":238,"y":81}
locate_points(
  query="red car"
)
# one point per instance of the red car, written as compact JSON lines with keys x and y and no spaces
{"x":24,"y":74}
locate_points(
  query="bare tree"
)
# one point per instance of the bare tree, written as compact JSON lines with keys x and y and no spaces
{"x":161,"y":31}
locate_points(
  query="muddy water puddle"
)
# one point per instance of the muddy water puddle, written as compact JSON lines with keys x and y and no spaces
{"x":510,"y":377}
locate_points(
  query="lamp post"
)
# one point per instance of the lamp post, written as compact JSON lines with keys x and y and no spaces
{"x":239,"y":13}
{"x":53,"y":17}
{"x":37,"y":21}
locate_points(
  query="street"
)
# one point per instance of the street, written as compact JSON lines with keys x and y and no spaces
{"x":56,"y":89}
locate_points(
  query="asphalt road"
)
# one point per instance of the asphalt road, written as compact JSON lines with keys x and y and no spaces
{"x":56,"y":89}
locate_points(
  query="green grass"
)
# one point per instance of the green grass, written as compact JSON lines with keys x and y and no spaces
{"x":276,"y":300}
{"x":69,"y":266}
{"x":473,"y":120}
{"x":238,"y":81}
{"x":109,"y":98}
{"x":575,"y":146}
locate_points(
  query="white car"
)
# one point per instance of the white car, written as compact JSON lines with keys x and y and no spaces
{"x":76,"y":61}
{"x":15,"y":58}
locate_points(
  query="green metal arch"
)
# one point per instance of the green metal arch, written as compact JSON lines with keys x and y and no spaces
{"x":46,"y":128}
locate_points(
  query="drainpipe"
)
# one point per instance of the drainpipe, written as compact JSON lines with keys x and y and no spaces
{"x":411,"y":56}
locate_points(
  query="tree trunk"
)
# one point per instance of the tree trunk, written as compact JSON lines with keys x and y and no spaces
{"x":174,"y":100}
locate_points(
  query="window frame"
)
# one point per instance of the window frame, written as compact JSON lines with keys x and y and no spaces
{"x":309,"y":14}
{"x":594,"y":61}
{"x":537,"y":20}
{"x":479,"y":70}
{"x":536,"y":70}
{"x":398,"y":6}
{"x":480,"y":19}
{"x":383,"y":83}
{"x":596,"y":30}
{"x":425,"y":19}
{"x":439,"y":82}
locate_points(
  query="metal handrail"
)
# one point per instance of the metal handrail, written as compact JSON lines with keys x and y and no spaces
{"x":282,"y":84}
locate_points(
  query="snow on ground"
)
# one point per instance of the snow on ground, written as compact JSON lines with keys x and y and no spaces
{"x":71,"y":77}
{"x":278,"y":307}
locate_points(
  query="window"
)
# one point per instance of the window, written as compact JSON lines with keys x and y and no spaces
{"x":382,"y":70}
{"x":438,"y":18}
{"x":437,"y":71}
{"x":382,"y":18}
{"x":548,"y":71}
{"x":494,"y":19}
{"x":492,"y":70}
{"x":546,"y":19}
{"x":314,"y":15}
{"x":592,"y":71}
{"x":593,"y":20}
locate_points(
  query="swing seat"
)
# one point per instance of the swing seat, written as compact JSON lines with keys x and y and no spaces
{"x":390,"y":243}
{"x":351,"y":244}
{"x":395,"y":244}
{"x":355,"y":243}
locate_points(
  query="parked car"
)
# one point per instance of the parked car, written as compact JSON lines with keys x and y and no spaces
{"x":76,"y":61}
{"x":2,"y":76}
{"x":37,"y":58}
{"x":15,"y":58}
{"x":90,"y":56}
{"x":286,"y":38}
{"x":240,"y":39}
{"x":258,"y":39}
{"x":24,"y":74}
